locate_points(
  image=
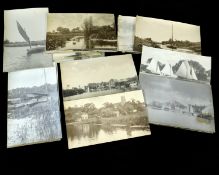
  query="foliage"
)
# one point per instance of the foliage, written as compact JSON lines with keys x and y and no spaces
{"x":73,"y":91}
{"x":139,"y":42}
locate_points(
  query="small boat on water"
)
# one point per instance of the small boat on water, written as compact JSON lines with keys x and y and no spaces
{"x":31,"y":50}
{"x":35,"y":50}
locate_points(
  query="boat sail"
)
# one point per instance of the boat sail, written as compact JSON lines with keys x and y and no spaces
{"x":23,"y":33}
{"x":194,"y":75}
{"x":153,"y":67}
{"x":186,"y":71}
{"x":167,"y":70}
{"x":27,"y":39}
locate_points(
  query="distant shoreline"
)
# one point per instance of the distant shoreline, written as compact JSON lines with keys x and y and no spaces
{"x":24,"y":44}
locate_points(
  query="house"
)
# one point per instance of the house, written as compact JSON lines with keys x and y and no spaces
{"x":84,"y":116}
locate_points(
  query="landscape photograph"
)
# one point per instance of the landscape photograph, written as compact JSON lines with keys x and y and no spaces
{"x":33,"y":107}
{"x":25,"y":39}
{"x":75,"y":55}
{"x":177,"y":65}
{"x":126,"y":33}
{"x":81,"y":31}
{"x":165,"y":34}
{"x":98,"y":76}
{"x":178,"y":103}
{"x":106,"y":118}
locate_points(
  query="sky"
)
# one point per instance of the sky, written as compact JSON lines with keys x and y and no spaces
{"x":73,"y":20}
{"x":31,"y":77}
{"x":32,"y":20}
{"x":161,"y":30}
{"x":99,"y":101}
{"x":172,"y":57}
{"x":167,"y":89}
{"x":96,"y":70}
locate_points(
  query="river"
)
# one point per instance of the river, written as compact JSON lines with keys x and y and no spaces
{"x":75,"y":43}
{"x":90,"y":134}
{"x":178,"y":119}
{"x":16,"y":58}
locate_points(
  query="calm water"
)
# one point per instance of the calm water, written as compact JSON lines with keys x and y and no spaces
{"x":177,"y":49}
{"x":78,"y":44}
{"x":178,"y":119}
{"x":90,"y":134}
{"x":16,"y":58}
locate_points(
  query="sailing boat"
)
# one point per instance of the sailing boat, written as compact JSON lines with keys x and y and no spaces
{"x":186,"y":71}
{"x":172,"y":46}
{"x":153,"y":67}
{"x":167,"y":70}
{"x":27,"y":39}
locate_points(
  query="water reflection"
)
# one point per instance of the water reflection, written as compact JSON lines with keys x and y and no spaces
{"x":89,"y":134}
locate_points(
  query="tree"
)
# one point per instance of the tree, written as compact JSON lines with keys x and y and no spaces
{"x":89,"y":107}
{"x":6,"y":41}
{"x":63,"y":30}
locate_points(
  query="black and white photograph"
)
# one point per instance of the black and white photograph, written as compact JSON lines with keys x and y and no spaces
{"x":33,"y":107}
{"x":165,"y":34}
{"x":178,"y":103}
{"x":81,"y":31}
{"x":75,"y":55}
{"x":106,"y":118}
{"x":126,"y":33}
{"x":98,"y":76}
{"x":184,"y":66}
{"x":25,"y":39}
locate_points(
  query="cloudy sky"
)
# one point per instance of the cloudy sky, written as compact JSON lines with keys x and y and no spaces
{"x":31,"y":77}
{"x":99,"y":101}
{"x":73,"y":20}
{"x":161,"y":30}
{"x":32,"y":20}
{"x":166,"y":89}
{"x":172,"y":57}
{"x":96,"y":70}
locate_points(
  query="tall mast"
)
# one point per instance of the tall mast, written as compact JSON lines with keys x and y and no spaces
{"x":172,"y":34}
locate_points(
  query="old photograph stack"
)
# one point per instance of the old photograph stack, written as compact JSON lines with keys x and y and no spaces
{"x":102,"y":100}
{"x":177,"y":89}
{"x":33,"y":114}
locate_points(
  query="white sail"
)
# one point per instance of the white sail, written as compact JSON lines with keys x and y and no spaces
{"x":167,"y":70}
{"x":194,"y":77}
{"x":182,"y":70}
{"x":189,"y":70}
{"x":186,"y":71}
{"x":154,"y":67}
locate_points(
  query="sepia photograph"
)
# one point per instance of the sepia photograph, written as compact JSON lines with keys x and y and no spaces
{"x":165,"y":34}
{"x":81,"y":31}
{"x":126,"y":33}
{"x":106,"y":118}
{"x":33,"y":107}
{"x":75,"y":55}
{"x":178,"y":103}
{"x":174,"y":64}
{"x":25,"y":39}
{"x":98,"y":76}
